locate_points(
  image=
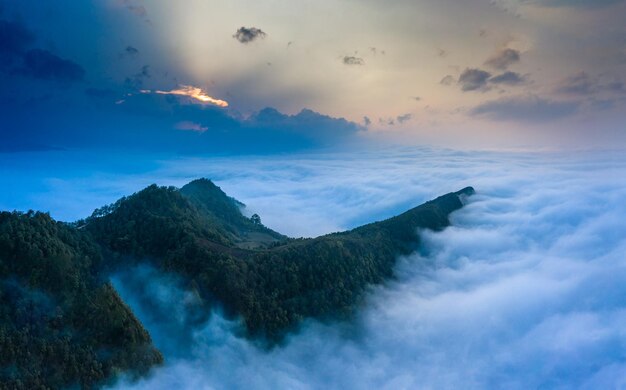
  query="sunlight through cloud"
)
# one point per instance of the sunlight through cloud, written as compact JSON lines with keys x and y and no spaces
{"x":192,"y":92}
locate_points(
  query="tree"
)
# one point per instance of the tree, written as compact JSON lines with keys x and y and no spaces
{"x":255,"y":219}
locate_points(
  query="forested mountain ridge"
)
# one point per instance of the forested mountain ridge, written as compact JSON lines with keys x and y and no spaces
{"x":194,"y":233}
{"x":62,"y":323}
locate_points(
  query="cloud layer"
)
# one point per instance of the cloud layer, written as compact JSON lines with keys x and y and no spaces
{"x":525,"y":290}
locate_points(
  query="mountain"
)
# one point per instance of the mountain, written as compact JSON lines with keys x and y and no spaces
{"x":60,"y":324}
{"x":63,"y":324}
{"x":199,"y":233}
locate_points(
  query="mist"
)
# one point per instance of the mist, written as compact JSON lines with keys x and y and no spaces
{"x":524,"y":290}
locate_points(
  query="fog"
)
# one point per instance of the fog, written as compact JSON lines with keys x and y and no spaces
{"x":526,"y":289}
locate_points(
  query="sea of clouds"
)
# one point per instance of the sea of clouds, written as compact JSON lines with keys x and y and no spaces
{"x":526,"y":289}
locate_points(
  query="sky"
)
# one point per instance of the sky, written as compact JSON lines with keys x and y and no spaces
{"x":199,"y":76}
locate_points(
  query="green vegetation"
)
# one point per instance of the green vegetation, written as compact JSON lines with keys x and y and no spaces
{"x":196,"y":232}
{"x":62,"y":324}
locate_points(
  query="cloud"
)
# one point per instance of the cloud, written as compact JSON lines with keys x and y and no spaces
{"x":387,"y":121}
{"x":131,"y":50}
{"x":577,"y":3}
{"x":524,"y":290}
{"x":41,"y":64}
{"x":136,"y":81}
{"x":583,"y":84}
{"x":508,"y":78}
{"x":503,"y":59}
{"x":19,"y":58}
{"x":190,"y":126}
{"x":529,"y":109}
{"x":578,"y":84}
{"x":351,"y":60}
{"x":191,"y":92}
{"x":474,"y":80}
{"x":137,"y":8}
{"x":305,"y":122}
{"x":14,"y":38}
{"x":367,"y":121}
{"x":246,"y":35}
{"x":404,"y":118}
{"x":447,"y":80}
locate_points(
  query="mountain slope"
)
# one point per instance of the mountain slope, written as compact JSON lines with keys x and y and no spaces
{"x":195,"y":233}
{"x":60,"y":325}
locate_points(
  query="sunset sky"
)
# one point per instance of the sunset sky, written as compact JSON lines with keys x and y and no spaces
{"x":535,"y":74}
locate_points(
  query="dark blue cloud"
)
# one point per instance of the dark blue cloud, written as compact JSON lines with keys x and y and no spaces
{"x":527,"y":109}
{"x":41,"y":64}
{"x":473,"y":80}
{"x":153,"y":122}
{"x":131,"y":50}
{"x":508,"y":78}
{"x":18,"y":58}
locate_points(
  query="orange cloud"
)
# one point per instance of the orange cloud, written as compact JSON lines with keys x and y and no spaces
{"x":192,"y":92}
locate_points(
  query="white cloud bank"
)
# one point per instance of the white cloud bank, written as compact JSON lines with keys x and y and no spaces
{"x":527,"y":289}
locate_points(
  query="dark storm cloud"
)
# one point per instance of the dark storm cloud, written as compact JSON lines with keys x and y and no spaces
{"x":528,"y":109}
{"x":351,"y":60}
{"x":474,"y":80}
{"x":248,"y":34}
{"x":41,"y":64}
{"x":404,"y":118}
{"x":508,"y":78}
{"x":503,"y":59}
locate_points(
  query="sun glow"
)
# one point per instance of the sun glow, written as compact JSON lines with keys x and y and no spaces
{"x":192,"y":92}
